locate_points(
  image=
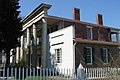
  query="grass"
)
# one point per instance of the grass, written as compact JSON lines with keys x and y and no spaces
{"x":38,"y":78}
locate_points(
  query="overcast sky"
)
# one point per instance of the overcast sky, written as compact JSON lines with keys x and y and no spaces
{"x":110,"y":9}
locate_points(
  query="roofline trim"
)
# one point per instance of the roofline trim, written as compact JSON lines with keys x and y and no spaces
{"x":80,"y":40}
{"x":48,"y":6}
{"x":76,"y":21}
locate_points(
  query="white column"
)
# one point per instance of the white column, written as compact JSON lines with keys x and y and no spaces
{"x":17,"y":54}
{"x":44,"y":43}
{"x":34,"y":47}
{"x":28,"y":48}
{"x":28,"y":37}
{"x":22,"y":47}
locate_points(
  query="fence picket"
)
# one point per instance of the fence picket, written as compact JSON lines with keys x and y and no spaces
{"x":37,"y":74}
{"x":15,"y":73}
{"x":11,"y":72}
{"x":7,"y":72}
{"x":33,"y":71}
{"x":53,"y":74}
{"x":40,"y":73}
{"x":50,"y":72}
{"x":46,"y":73}
{"x":43,"y":70}
{"x":30,"y":73}
{"x":61,"y":76}
{"x":58,"y":73}
{"x":3,"y":73}
{"x":97,"y":72}
{"x":19,"y":73}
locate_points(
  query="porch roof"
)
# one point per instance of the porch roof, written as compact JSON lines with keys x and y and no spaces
{"x":97,"y":42}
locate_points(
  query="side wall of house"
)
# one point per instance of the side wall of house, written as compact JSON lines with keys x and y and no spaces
{"x":61,"y":39}
{"x":99,"y":33}
{"x":80,"y":55}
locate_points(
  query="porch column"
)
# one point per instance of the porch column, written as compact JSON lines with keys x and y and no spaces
{"x":34,"y":46}
{"x":44,"y":43}
{"x":28,"y":48}
{"x":17,"y":54}
{"x":22,"y":47}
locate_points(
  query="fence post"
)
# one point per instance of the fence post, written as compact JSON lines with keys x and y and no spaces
{"x":80,"y":72}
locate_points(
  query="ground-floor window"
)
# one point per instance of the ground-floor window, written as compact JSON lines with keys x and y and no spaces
{"x":58,"y":55}
{"x":104,"y":55}
{"x":88,"y":55}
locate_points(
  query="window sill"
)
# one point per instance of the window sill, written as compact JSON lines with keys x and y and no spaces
{"x":89,"y":63}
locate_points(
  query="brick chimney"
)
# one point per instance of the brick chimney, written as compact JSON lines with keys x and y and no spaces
{"x":99,"y":19}
{"x":76,"y":14}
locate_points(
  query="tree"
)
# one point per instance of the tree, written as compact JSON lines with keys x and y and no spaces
{"x":10,"y":25}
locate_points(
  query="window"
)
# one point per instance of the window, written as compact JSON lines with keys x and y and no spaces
{"x":104,"y":55}
{"x":88,"y":55}
{"x":113,"y":37}
{"x":89,"y":33}
{"x":25,"y":40}
{"x":54,"y":28}
{"x":58,"y":55}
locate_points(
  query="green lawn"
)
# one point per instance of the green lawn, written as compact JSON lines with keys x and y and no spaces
{"x":40,"y":78}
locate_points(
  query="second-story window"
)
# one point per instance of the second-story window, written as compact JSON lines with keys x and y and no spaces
{"x":89,"y":32}
{"x":114,"y":37}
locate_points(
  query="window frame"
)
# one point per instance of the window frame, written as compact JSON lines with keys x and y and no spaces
{"x":91,"y":55}
{"x":106,"y":55}
{"x":91,"y":33}
{"x":58,"y":58}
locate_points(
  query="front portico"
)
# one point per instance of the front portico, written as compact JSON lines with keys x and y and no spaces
{"x":34,"y":38}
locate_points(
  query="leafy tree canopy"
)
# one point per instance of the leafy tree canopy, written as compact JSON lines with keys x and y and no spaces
{"x":10,"y":24}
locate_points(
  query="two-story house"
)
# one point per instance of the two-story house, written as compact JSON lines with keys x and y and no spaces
{"x":51,"y":41}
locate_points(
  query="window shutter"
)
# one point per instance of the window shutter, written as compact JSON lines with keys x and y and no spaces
{"x":85,"y":52}
{"x":101,"y":52}
{"x":93,"y":55}
{"x":109,"y":55}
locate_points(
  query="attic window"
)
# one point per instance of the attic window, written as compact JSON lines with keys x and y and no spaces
{"x":89,"y":33}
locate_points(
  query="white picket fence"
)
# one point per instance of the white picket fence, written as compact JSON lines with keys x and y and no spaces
{"x":102,"y":73}
{"x":59,"y":74}
{"x":36,"y":74}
